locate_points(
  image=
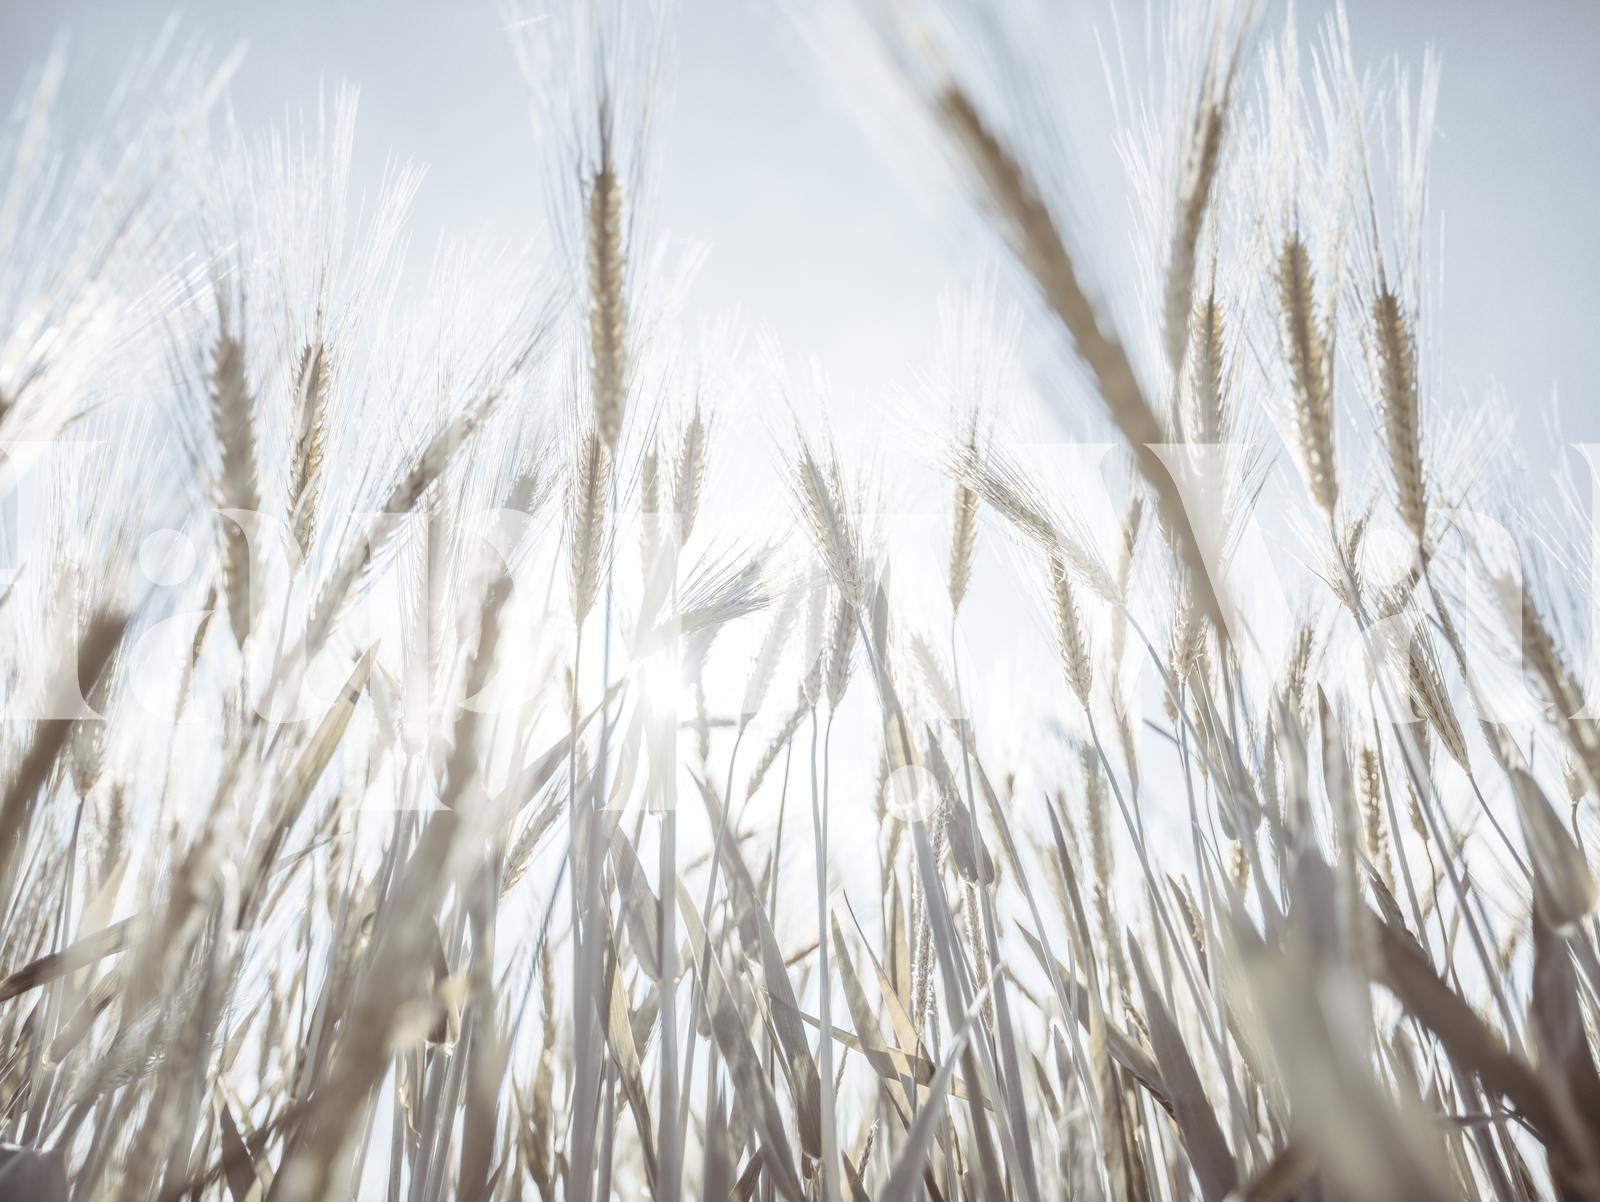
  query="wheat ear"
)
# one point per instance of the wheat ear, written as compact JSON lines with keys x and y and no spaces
{"x":963,"y":542}
{"x":1203,"y":149}
{"x":1073,"y":648}
{"x":608,"y":306}
{"x":1130,"y":544}
{"x":765,"y":665}
{"x":1428,"y":690}
{"x":236,"y":488}
{"x":821,"y":494}
{"x":689,"y":474}
{"x":590,"y":489}
{"x":305,"y":481}
{"x":649,"y":507}
{"x":1375,"y":836}
{"x":1310,"y":370}
{"x":841,"y":648}
{"x":1542,"y":657}
{"x":1015,"y":497}
{"x":964,"y":525}
{"x":1395,"y":365}
{"x":1205,"y":368}
{"x":1103,"y":856}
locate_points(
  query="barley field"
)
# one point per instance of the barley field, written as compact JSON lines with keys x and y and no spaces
{"x":422,"y":779}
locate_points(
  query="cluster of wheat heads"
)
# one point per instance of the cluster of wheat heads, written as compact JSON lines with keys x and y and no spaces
{"x":379,"y":817}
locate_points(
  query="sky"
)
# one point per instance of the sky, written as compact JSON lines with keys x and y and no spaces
{"x":810,"y":229}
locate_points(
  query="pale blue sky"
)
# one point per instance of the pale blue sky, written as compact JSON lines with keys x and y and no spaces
{"x":811,"y":232}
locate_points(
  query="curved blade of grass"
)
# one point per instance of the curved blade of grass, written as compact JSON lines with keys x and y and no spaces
{"x":896,"y":1061}
{"x":238,"y":1167}
{"x":640,"y":909}
{"x":903,"y":1030}
{"x":49,"y":736}
{"x":1558,"y":1018}
{"x":1122,"y":1048}
{"x":292,"y":790}
{"x":105,"y":942}
{"x":619,"y":1034}
{"x":743,"y":1066}
{"x":869,"y":1037}
{"x":1284,"y":1176}
{"x":1465,"y":1036}
{"x":907,"y":1172}
{"x":755,"y":928}
{"x":747,"y":1180}
{"x":858,"y":1192}
{"x":952,"y":964}
{"x":1565,"y":887}
{"x":1202,"y":1135}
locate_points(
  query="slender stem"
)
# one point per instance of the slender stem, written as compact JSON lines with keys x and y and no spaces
{"x":670,"y":1172}
{"x":580,"y":822}
{"x":830,"y":1137}
{"x":668,"y":1142}
{"x":772,"y":914}
{"x":1498,"y":829}
{"x":397,"y":1129}
{"x":1399,"y":848}
{"x":608,"y":1131}
{"x":588,"y":943}
{"x":574,"y":819}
